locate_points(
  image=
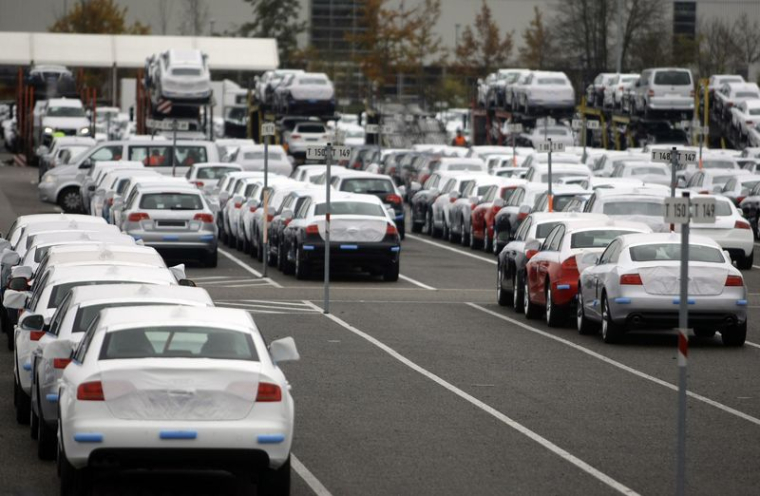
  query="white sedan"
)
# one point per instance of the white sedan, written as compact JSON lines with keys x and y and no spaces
{"x":163,"y":379}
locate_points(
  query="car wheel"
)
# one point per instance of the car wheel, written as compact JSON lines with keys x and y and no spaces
{"x":487,"y":242}
{"x":275,"y":482}
{"x":584,"y":325}
{"x":70,"y":200}
{"x":611,"y":332}
{"x":502,"y":296}
{"x":74,"y":482}
{"x":474,"y":242}
{"x":391,"y":272}
{"x":746,"y":261}
{"x":244,"y":245}
{"x":259,"y":250}
{"x":271,"y":257}
{"x":435,"y":232}
{"x":211,"y":259}
{"x":734,"y":335}
{"x":464,"y":237}
{"x":531,"y":310}
{"x":46,"y":437}
{"x":517,"y":294}
{"x":417,"y":226}
{"x":702,"y":332}
{"x":23,"y":404}
{"x":301,"y":269}
{"x":401,"y":230}
{"x":9,"y":335}
{"x":34,"y":423}
{"x":553,"y":314}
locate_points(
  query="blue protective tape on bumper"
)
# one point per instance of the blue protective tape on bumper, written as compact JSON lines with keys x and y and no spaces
{"x":395,"y":249}
{"x":52,"y":398}
{"x":677,"y":301}
{"x":88,"y":437}
{"x":400,"y":217}
{"x":271,"y":438}
{"x":741,"y":303}
{"x":137,"y":238}
{"x":207,"y":237}
{"x":27,"y":366}
{"x":594,"y":303}
{"x":178,"y":435}
{"x":563,"y":286}
{"x":308,"y":247}
{"x":349,"y":247}
{"x":171,"y":238}
{"x":623,"y":301}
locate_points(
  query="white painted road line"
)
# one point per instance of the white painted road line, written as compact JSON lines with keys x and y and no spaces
{"x":455,"y":250}
{"x":597,"y":474}
{"x":308,"y":477}
{"x":416,"y":282}
{"x":619,"y":365}
{"x":247,"y":267}
{"x":755,"y":345}
{"x":229,"y":281}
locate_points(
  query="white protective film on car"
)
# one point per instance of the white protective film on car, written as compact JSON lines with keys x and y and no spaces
{"x":355,"y":229}
{"x":703,"y":281}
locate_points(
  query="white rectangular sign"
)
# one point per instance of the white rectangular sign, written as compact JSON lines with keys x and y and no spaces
{"x":664,"y":156}
{"x":387,"y":129}
{"x":372,"y":128}
{"x":592,"y":124}
{"x":267,"y":129}
{"x":546,"y":146}
{"x":167,"y":125}
{"x":703,"y":210}
{"x":515,"y":128}
{"x":319,"y":152}
{"x":343,"y":102}
{"x":577,"y":124}
{"x":676,"y":210}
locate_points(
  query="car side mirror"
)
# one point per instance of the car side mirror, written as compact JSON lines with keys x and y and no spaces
{"x":32,"y":322}
{"x":532,"y":247}
{"x":10,"y":257}
{"x":19,"y":284}
{"x":92,"y":187}
{"x":727,"y":255}
{"x":15,"y":300}
{"x":178,"y":271}
{"x":254,"y":204}
{"x":117,"y":203}
{"x":87,"y":164}
{"x":499,"y":202}
{"x":21,"y":271}
{"x":416,"y":186}
{"x":59,"y":348}
{"x":287,"y":215}
{"x":681,"y":182}
{"x":187,"y":282}
{"x":284,"y":350}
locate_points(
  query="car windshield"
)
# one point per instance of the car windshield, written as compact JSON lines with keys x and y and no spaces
{"x":171,"y":201}
{"x":65,"y":112}
{"x":672,"y":78}
{"x":214,"y":172}
{"x":543,"y":230}
{"x":60,"y":291}
{"x":560,"y":202}
{"x":311,"y":128}
{"x":85,"y":315}
{"x":640,"y":171}
{"x":40,"y":253}
{"x":633,"y":207}
{"x":186,"y":71}
{"x":730,"y":80}
{"x":551,"y":81}
{"x":595,"y":239}
{"x":355,"y":134}
{"x":747,"y":94}
{"x":367,"y":186}
{"x":178,"y":342}
{"x":754,"y":111}
{"x":672,"y":252}
{"x":350,"y":208}
{"x":260,"y":156}
{"x":464,"y":167}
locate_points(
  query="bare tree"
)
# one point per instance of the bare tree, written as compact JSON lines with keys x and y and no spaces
{"x":195,"y":15}
{"x":717,"y":50}
{"x":164,"y":13}
{"x":642,"y":20}
{"x":747,"y":40}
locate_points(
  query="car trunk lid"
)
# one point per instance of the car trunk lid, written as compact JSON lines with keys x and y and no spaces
{"x":665,"y":279}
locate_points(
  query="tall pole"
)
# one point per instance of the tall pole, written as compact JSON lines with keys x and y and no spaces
{"x":673,"y":167}
{"x":683,"y":352}
{"x":265,"y":235}
{"x":619,"y":64}
{"x":550,"y":199}
{"x":328,"y":157}
{"x":174,"y":148}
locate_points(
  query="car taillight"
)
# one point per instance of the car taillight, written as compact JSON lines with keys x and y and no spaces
{"x":474,"y":206}
{"x":740,"y":224}
{"x":530,"y":253}
{"x":570,"y":263}
{"x":90,"y":391}
{"x":391,"y":230}
{"x":691,"y":93}
{"x":452,"y":199}
{"x":734,"y":281}
{"x":650,"y":92}
{"x":199,"y":184}
{"x":393,"y":198}
{"x":286,"y":222}
{"x":522,"y":215}
{"x":424,"y":178}
{"x":270,"y":217}
{"x":392,"y":171}
{"x":739,"y":199}
{"x":61,"y":363}
{"x":238,"y":204}
{"x":110,"y":202}
{"x":631,"y":279}
{"x":357,"y":165}
{"x":620,"y":88}
{"x":312,"y":229}
{"x":704,"y":192}
{"x":252,"y":209}
{"x":138,"y":216}
{"x":750,"y":123}
{"x":206,"y":218}
{"x":730,"y":104}
{"x":269,"y":392}
{"x":295,"y":136}
{"x":36,"y":335}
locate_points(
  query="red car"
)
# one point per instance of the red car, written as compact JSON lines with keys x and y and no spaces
{"x":552,"y":274}
{"x":483,"y":215}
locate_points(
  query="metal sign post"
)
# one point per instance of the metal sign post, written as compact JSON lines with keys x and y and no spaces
{"x":550,"y":147}
{"x":549,"y":198}
{"x":174,"y":148}
{"x":674,"y":157}
{"x":514,"y":130}
{"x":328,"y":187}
{"x":267,"y":130}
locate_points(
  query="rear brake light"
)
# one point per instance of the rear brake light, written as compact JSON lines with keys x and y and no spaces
{"x":238,"y":204}
{"x":570,"y":263}
{"x":110,"y":202}
{"x":631,"y":279}
{"x":269,"y":392}
{"x":740,"y":224}
{"x":270,"y":217}
{"x":199,"y":184}
{"x":691,"y":93}
{"x":252,"y":209}
{"x":206,"y":218}
{"x":61,"y":363}
{"x":90,"y":391}
{"x":312,"y":229}
{"x":650,"y":92}
{"x":704,"y":192}
{"x":391,"y":230}
{"x":286,"y":222}
{"x":295,"y":136}
{"x":138,"y":216}
{"x":530,"y":253}
{"x":740,"y":199}
{"x":36,"y":335}
{"x":452,"y":200}
{"x":522,"y":215}
{"x":734,"y":281}
{"x":393,"y":198}
{"x":730,"y":104}
{"x":620,"y":88}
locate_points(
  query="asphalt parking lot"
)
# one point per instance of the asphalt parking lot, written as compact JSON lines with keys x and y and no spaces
{"x":427,"y":386}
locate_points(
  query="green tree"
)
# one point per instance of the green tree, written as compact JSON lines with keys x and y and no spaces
{"x":276,"y":19}
{"x":97,"y":17}
{"x":482,"y":49}
{"x":537,"y":43}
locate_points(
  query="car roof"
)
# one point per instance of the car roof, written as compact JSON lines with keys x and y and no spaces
{"x":53,"y":238}
{"x":106,"y":272}
{"x":63,"y":252}
{"x":126,"y":317}
{"x":650,"y":238}
{"x":64,"y":102}
{"x":635,"y":191}
{"x":462,"y":160}
{"x":30,"y":220}
{"x":35,"y":229}
{"x":92,"y":295}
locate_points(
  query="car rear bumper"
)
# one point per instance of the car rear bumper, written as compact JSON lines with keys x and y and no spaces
{"x":662,"y":310}
{"x":199,"y":240}
{"x":671,"y":103}
{"x":735,"y":241}
{"x":352,"y":254}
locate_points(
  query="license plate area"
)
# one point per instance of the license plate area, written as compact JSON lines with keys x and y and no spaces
{"x":171,"y":223}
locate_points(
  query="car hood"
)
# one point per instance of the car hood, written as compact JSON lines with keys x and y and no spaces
{"x":66,"y":122}
{"x":63,"y":170}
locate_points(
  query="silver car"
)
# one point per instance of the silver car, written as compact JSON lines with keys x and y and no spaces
{"x":635,"y":284}
{"x":173,"y":218}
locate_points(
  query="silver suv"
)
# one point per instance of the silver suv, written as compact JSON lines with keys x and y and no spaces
{"x":664,"y":90}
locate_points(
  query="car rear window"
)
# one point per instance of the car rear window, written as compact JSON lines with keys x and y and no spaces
{"x":559,"y":175}
{"x":465,"y":167}
{"x":178,"y":342}
{"x":595,"y":239}
{"x":560,"y":202}
{"x":350,"y":208}
{"x":754,"y":111}
{"x":717,"y":164}
{"x":368,"y":186}
{"x":311,"y":128}
{"x":633,"y":207}
{"x":551,"y":81}
{"x":672,"y":78}
{"x":672,"y":252}
{"x":214,"y":172}
{"x":186,"y":71}
{"x":640,"y":171}
{"x":543,"y":230}
{"x":85,"y":315}
{"x":60,"y":291}
{"x":260,"y":156}
{"x":171,"y":201}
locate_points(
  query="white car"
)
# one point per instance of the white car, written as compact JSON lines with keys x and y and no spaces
{"x":105,"y":253}
{"x":251,"y":158}
{"x":708,"y":181}
{"x":620,"y":83}
{"x":663,"y":89}
{"x":648,"y":172}
{"x":303,"y":135}
{"x":636,"y":284}
{"x":635,"y":204}
{"x":604,"y":163}
{"x":267,"y":84}
{"x":721,"y":163}
{"x":544,"y":92}
{"x":179,"y":75}
{"x":538,"y":172}
{"x":540,"y":134}
{"x":45,"y":242}
{"x":731,"y":94}
{"x":745,"y":116}
{"x":32,"y":232}
{"x":62,"y":149}
{"x":206,"y":175}
{"x":61,"y":115}
{"x":157,"y":377}
{"x":596,"y":92}
{"x":309,"y":93}
{"x":67,"y":328}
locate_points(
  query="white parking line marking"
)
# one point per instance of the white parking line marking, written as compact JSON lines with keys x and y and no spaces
{"x":602,"y":477}
{"x":416,"y":282}
{"x":254,"y":285}
{"x":230,"y":281}
{"x":279,"y":302}
{"x":461,"y":252}
{"x":209,"y":278}
{"x":308,"y":477}
{"x":619,"y":365}
{"x":254,"y":306}
{"x":755,"y":345}
{"x":247,"y":267}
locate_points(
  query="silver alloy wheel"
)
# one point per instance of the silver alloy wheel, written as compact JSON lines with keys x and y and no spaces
{"x":548,"y":304}
{"x":499,"y":277}
{"x":605,"y":316}
{"x":71,"y":201}
{"x":472,"y":238}
{"x":515,"y":295}
{"x":526,"y":298}
{"x":579,"y":312}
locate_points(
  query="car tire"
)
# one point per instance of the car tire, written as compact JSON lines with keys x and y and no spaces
{"x":244,"y":245}
{"x":47,"y":442}
{"x":734,"y":336}
{"x":487,"y":242}
{"x":531,"y":310}
{"x":211,"y":260}
{"x":34,"y":424}
{"x":703,"y":332}
{"x":517,"y":293}
{"x":474,"y":242}
{"x":275,"y":482}
{"x":301,"y":270}
{"x":417,"y":227}
{"x":23,"y":404}
{"x":8,"y":334}
{"x":746,"y":261}
{"x":428,"y":226}
{"x":553,"y":314}
{"x":583,"y":324}
{"x":287,"y":267}
{"x":74,"y":481}
{"x":611,"y":332}
{"x":391,"y":272}
{"x":70,"y":200}
{"x":464,"y":238}
{"x":401,"y":230}
{"x":503,"y":297}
